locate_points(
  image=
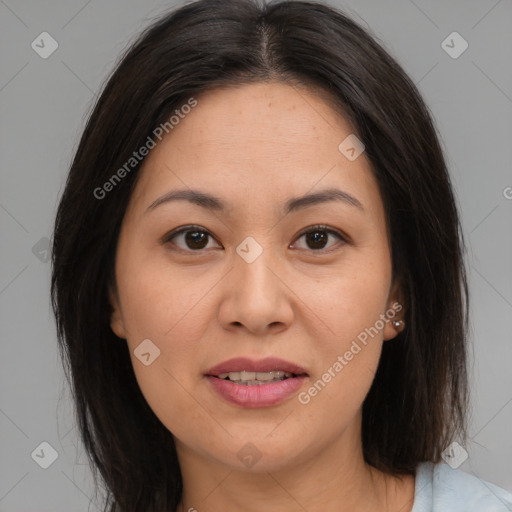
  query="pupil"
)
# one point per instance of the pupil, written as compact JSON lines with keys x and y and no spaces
{"x":317,"y":239}
{"x":194,"y":237}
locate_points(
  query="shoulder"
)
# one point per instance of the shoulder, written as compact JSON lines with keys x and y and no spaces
{"x":439,"y":488}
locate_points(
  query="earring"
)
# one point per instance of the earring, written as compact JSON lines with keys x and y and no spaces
{"x":397,"y":323}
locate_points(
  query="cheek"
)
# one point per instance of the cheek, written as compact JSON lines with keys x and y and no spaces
{"x":346,"y":362}
{"x":349,"y":343}
{"x":170,"y":313}
{"x":169,"y":308}
{"x":347,"y":300}
{"x":161,"y":301}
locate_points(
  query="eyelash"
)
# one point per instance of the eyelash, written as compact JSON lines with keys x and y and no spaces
{"x":311,"y":229}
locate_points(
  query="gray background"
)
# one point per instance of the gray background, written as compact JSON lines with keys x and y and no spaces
{"x":43,"y":105}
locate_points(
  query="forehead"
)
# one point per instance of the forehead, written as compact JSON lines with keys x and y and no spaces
{"x":267,"y":138}
{"x":284,"y":118}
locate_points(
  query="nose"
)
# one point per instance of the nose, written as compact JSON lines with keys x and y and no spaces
{"x":257,"y":297}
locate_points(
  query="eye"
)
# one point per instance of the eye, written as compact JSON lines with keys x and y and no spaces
{"x":317,"y":237}
{"x":192,"y":238}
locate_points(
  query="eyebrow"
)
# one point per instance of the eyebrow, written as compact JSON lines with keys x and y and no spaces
{"x":211,"y":202}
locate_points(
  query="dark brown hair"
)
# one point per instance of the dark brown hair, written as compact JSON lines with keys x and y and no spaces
{"x":419,"y":398}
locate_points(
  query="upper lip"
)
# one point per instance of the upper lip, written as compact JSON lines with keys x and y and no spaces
{"x":268,"y":364}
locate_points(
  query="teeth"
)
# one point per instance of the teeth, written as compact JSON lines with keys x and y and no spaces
{"x":255,"y":377}
{"x":270,"y":375}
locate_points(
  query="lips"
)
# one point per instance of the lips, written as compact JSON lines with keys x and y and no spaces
{"x":252,"y":397}
{"x":250,"y":365}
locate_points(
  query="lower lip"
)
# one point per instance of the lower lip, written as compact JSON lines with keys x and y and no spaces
{"x":259,"y":395}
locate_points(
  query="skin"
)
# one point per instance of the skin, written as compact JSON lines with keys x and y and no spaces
{"x":255,"y":147}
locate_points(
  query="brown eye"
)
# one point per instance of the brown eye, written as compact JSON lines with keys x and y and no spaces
{"x":189,"y":238}
{"x":196,"y":239}
{"x":317,"y":237}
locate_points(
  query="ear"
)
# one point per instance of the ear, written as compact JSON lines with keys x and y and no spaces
{"x":395,"y":312}
{"x":116,"y":317}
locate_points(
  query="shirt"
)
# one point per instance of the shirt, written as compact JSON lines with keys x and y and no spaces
{"x":439,"y":488}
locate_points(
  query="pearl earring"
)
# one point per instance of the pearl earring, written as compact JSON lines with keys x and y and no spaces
{"x":397,"y":323}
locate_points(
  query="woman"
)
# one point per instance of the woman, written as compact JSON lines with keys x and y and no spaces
{"x":258,"y":277}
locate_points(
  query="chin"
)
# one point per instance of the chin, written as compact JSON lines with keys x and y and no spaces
{"x":260,"y":452}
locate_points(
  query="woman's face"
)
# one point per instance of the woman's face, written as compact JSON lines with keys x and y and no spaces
{"x":245,"y":281}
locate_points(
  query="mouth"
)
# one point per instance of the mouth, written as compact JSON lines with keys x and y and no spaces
{"x":257,"y":378}
{"x":252,"y":372}
{"x":250,"y":383}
